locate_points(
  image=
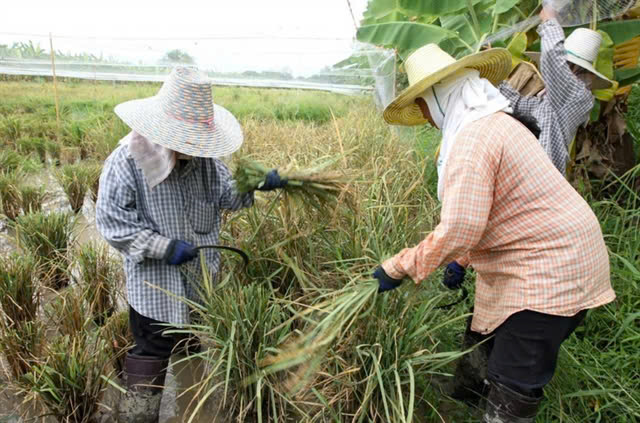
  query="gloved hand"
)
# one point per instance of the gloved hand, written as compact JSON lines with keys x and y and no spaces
{"x":272,"y":181}
{"x":453,"y":276}
{"x":180,"y":252}
{"x":386,"y":282}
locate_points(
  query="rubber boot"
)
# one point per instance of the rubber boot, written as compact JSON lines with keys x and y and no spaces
{"x":505,"y":405}
{"x":469,"y":384}
{"x":145,"y":382}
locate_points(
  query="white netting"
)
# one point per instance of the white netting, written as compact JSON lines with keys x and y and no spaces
{"x":305,"y":63}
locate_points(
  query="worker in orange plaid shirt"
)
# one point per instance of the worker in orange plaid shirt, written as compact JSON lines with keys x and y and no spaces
{"x":535,"y":244}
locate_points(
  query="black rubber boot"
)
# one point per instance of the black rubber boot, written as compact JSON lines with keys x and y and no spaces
{"x":144,"y":382}
{"x":505,"y":405}
{"x":471,"y":371}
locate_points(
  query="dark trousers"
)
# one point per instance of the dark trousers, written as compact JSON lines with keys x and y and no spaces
{"x":523,"y":351}
{"x":151,"y":341}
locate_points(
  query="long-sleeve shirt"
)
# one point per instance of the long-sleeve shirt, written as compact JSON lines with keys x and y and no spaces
{"x":140,"y":222}
{"x":566,"y":104}
{"x":533,"y":240}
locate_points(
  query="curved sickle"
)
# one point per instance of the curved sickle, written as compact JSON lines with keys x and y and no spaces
{"x":463,"y":297}
{"x":245,"y":257}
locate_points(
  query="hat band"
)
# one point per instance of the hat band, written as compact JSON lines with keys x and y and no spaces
{"x":579,"y":57}
{"x":208,"y":121}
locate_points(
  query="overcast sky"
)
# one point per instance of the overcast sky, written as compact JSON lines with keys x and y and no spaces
{"x":324,"y":28}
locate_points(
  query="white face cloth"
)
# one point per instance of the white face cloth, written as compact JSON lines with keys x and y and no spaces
{"x":156,"y":161}
{"x":454,"y":103}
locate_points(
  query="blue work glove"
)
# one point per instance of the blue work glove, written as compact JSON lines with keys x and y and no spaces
{"x":180,"y":252}
{"x":453,"y":276}
{"x":272,"y":181}
{"x":387,"y":283}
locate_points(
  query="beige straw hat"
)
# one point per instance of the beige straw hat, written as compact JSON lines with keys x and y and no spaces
{"x":582,"y":48}
{"x":429,"y":65}
{"x":183,"y":117}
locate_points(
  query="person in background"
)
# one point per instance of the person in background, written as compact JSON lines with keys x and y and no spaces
{"x":535,"y":244}
{"x":162,"y":194}
{"x":569,"y":75}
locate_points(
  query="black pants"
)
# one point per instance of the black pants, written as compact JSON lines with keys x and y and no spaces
{"x":150,"y":339}
{"x":523,"y":351}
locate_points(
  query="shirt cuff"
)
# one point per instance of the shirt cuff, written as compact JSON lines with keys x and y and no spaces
{"x":391,"y":270}
{"x":551,"y":30}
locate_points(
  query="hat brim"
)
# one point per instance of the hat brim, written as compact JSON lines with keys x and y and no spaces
{"x":494,"y":65}
{"x":146,"y":116}
{"x":601,"y":82}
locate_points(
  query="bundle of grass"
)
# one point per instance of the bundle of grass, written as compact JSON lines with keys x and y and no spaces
{"x":240,"y":333}
{"x":101,"y":279}
{"x":49,"y":237}
{"x":330,"y":319}
{"x":71,"y":380}
{"x":314,"y":186}
{"x":118,"y":337}
{"x":32,"y":198}
{"x":10,"y":203}
{"x":75,"y":179}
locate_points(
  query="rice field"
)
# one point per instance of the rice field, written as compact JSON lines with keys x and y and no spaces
{"x":387,"y":363}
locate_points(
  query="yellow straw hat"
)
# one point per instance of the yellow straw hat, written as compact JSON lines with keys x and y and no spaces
{"x":429,"y":65}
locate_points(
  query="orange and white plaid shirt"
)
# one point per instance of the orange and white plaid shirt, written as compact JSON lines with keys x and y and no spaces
{"x":534,"y":242}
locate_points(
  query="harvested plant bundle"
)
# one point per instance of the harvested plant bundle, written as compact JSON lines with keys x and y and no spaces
{"x":330,"y":319}
{"x":69,"y":313}
{"x":49,"y":237}
{"x":314,"y":185}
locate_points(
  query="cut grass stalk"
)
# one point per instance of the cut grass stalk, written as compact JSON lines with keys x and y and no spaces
{"x":314,"y":185}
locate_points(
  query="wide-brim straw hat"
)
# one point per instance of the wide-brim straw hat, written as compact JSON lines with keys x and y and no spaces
{"x":429,"y":65}
{"x":582,"y":48}
{"x":184,"y":118}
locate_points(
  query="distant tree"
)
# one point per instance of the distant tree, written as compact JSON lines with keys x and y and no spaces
{"x":178,"y":56}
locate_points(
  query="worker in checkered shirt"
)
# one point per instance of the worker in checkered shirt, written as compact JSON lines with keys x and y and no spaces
{"x":162,"y":194}
{"x":536,"y":245}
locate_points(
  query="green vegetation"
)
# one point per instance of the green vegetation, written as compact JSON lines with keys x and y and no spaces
{"x":383,"y":366}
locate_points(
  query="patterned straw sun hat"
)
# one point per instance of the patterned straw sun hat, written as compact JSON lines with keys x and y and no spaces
{"x":429,"y":65}
{"x":183,"y":117}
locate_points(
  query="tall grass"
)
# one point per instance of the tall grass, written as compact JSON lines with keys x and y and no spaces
{"x":119,"y":339}
{"x":76,"y":180}
{"x":101,"y":279}
{"x":10,"y":201}
{"x":49,"y":237}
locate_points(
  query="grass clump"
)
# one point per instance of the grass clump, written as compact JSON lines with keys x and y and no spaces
{"x":119,"y":339}
{"x":76,"y":180}
{"x":49,"y":237}
{"x":101,"y":279}
{"x":32,"y":198}
{"x":71,"y":381}
{"x":10,"y":200}
{"x":19,"y":296}
{"x":22,"y":346}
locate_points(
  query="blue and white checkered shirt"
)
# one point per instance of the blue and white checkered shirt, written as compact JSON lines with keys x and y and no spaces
{"x":566,"y":104}
{"x":140,"y":222}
